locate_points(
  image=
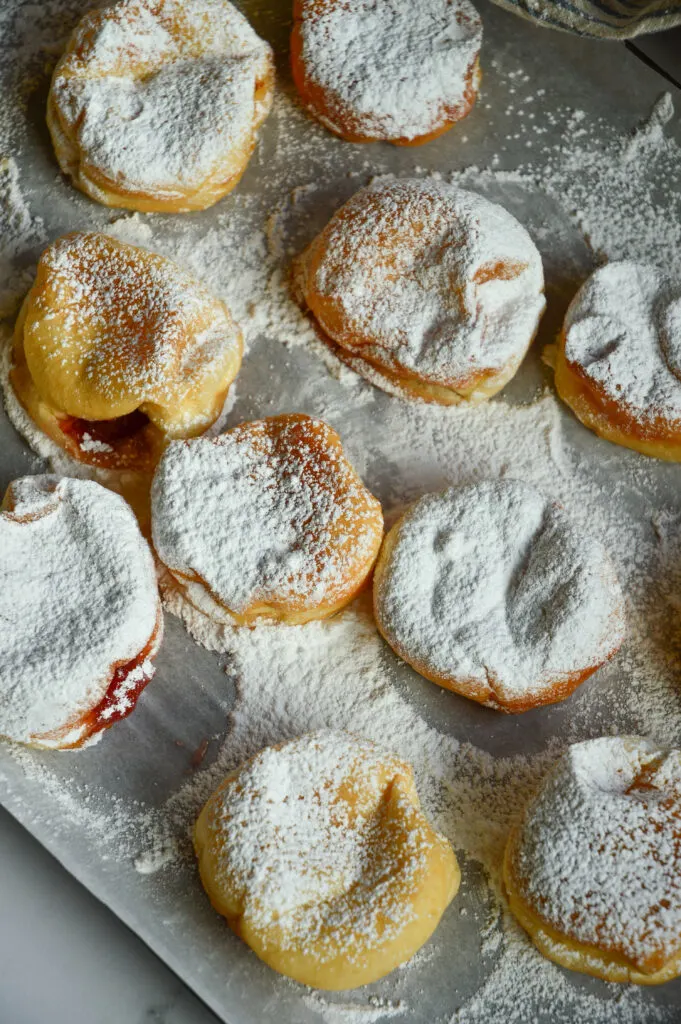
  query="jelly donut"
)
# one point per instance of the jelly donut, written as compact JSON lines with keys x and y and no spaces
{"x":618,"y":358}
{"x":80,"y":611}
{"x":116,"y":350}
{"x":156,"y":104}
{"x":268,"y":520}
{"x":425,"y":289}
{"x":387,"y":71}
{"x":593,"y":872}
{"x":319,"y":856}
{"x":490,"y":591}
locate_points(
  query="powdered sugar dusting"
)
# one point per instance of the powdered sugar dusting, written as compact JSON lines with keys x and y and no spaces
{"x":454,"y":294}
{"x":387,"y":70}
{"x":124,"y":700}
{"x":19,"y":230}
{"x":367,"y":1012}
{"x":269,"y":513}
{"x":619,"y":189}
{"x":480,"y":968}
{"x":160,"y":338}
{"x":297,"y":841}
{"x":471,"y":796}
{"x":599,"y":851}
{"x":623,"y":332}
{"x":78,"y":597}
{"x":92,"y":444}
{"x":522,"y":973}
{"x":491,"y":588}
{"x":156,"y":858}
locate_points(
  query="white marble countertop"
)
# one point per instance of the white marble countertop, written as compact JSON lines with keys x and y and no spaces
{"x":66,"y":958}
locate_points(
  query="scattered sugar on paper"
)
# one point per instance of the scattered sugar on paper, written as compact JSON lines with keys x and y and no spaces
{"x":22,"y":235}
{"x":622,"y":191}
{"x":522,"y":974}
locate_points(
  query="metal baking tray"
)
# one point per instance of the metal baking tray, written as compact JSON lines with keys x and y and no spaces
{"x":97,"y":810}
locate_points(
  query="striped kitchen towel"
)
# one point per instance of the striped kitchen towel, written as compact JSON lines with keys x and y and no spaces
{"x":604,"y":19}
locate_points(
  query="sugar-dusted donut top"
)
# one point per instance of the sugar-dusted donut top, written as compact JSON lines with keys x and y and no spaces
{"x":492,"y":584}
{"x":598,"y":856}
{"x":111,"y":328}
{"x":270,"y":512}
{"x":303,"y":842}
{"x":394,"y":69}
{"x":428,"y":279}
{"x":78,"y":597}
{"x":159,"y":94}
{"x":623,"y":332}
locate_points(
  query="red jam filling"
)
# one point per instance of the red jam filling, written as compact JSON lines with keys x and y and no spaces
{"x":122,"y":696}
{"x":109,"y":432}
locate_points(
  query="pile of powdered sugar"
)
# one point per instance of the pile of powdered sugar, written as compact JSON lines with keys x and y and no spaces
{"x":619,"y":189}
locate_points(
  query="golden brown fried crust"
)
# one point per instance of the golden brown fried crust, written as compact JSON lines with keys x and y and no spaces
{"x":294,"y":434}
{"x":354,"y":343}
{"x":574,"y":955}
{"x":109,"y":425}
{"x":658,"y":437}
{"x":479,"y":387}
{"x":399,"y":823}
{"x":96,"y":184}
